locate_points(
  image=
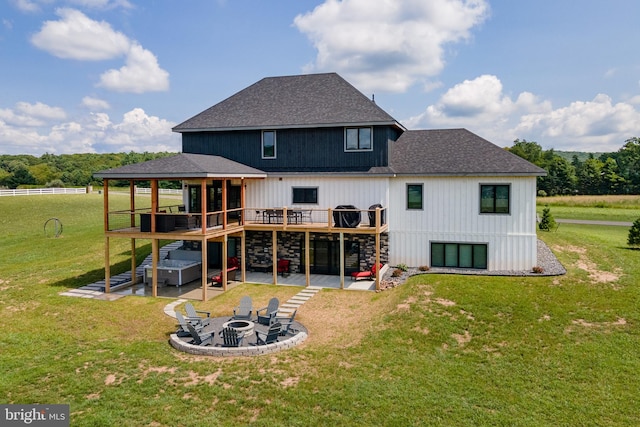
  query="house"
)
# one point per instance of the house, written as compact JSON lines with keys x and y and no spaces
{"x":311,"y":163}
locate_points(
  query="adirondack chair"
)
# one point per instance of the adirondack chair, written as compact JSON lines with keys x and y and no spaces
{"x":231,"y":337}
{"x":244,"y":310}
{"x":183,"y":330}
{"x":271,"y":336}
{"x":200,"y":338}
{"x":194,"y":317}
{"x":266,"y":315}
{"x":286,"y":323}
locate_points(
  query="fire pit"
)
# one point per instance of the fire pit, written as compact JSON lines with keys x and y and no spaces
{"x":240,"y":326}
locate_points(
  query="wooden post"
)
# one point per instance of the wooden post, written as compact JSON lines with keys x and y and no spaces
{"x":243,"y":212}
{"x":205,"y":270}
{"x":154,"y":266}
{"x":307,"y":258}
{"x":107,"y":266}
{"x":132,"y":223}
{"x":377,"y":261}
{"x":274,"y":255}
{"x":154,"y":209}
{"x":341,"y":260}
{"x":224,"y":204}
{"x":243,"y":252}
{"x":203,"y":205}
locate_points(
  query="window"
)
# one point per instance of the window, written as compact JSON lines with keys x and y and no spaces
{"x":459,"y":255}
{"x":269,"y":144}
{"x":494,"y":199}
{"x":358,"y":139}
{"x":414,"y":196}
{"x":305,"y":195}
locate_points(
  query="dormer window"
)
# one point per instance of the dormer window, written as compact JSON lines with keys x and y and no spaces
{"x":358,"y":139}
{"x":269,"y":144}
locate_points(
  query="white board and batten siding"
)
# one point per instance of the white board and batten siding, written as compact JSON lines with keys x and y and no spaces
{"x":360,"y":192}
{"x":451,"y":213}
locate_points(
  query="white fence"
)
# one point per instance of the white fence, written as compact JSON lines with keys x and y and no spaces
{"x":143,"y":190}
{"x":42,"y":191}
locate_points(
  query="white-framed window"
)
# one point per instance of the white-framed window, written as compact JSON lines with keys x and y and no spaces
{"x":358,"y":139}
{"x":269,"y":144}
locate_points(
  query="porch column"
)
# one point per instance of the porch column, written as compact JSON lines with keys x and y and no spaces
{"x":203,"y":205}
{"x":223,"y":273}
{"x":132,"y":209}
{"x":341,"y":260}
{"x":154,"y":209}
{"x":224,"y":204}
{"x":154,"y":266}
{"x":107,"y":266}
{"x":243,"y":252}
{"x":377,"y":261}
{"x":274,"y":255}
{"x":307,"y":258}
{"x":243,"y":193}
{"x":205,"y":270}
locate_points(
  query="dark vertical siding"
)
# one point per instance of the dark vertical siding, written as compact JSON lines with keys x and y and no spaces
{"x":304,"y":150}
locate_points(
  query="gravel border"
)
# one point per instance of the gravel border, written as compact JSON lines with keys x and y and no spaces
{"x":546,"y":260}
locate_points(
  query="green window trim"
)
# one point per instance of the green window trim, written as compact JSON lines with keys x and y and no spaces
{"x":415,"y":197}
{"x":495,"y":198}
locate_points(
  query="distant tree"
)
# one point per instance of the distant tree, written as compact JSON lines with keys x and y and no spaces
{"x":56,"y":183}
{"x":589,"y":176}
{"x":547,"y":222}
{"x":634,"y":234}
{"x":528,"y":150}
{"x":611,"y":182}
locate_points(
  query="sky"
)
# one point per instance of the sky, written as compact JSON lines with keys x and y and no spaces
{"x":106,"y":76}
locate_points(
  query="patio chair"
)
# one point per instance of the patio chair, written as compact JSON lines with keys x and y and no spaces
{"x":200,"y":338}
{"x":283,"y":266}
{"x":183,"y":330}
{"x":244,"y":310}
{"x":231,"y":337}
{"x":266,"y":315}
{"x":271,"y":336}
{"x":194,"y":317}
{"x":286,"y":323}
{"x":367,"y":274}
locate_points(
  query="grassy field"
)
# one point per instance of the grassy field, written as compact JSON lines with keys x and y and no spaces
{"x":440,"y":350}
{"x":600,"y":208}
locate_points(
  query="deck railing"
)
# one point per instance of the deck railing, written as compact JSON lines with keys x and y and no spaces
{"x":174,"y":218}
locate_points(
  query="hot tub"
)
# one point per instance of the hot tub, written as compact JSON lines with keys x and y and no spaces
{"x":174,"y":272}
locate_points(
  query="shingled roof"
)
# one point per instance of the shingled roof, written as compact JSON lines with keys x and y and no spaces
{"x":312,"y":100}
{"x":183,"y":166}
{"x":454,"y":152}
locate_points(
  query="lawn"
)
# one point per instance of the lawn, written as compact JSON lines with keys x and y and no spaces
{"x":439,"y":350}
{"x":600,"y":208}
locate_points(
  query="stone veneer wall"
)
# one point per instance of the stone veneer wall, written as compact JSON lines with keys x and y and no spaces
{"x":290,"y":247}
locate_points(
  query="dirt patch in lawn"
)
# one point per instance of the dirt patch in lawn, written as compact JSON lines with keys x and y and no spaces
{"x":342,"y":318}
{"x":584,"y":263}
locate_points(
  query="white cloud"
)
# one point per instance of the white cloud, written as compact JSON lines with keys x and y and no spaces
{"x":94,"y":104}
{"x":31,"y":115}
{"x":140,"y":74}
{"x":76,"y":36}
{"x":482,"y":106}
{"x":36,"y":5}
{"x":388,"y":45}
{"x":27,"y":5}
{"x":95,"y":132}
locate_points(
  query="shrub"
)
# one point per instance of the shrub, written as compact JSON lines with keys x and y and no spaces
{"x":547,"y":223}
{"x":396,"y":273}
{"x":537,"y":269}
{"x":56,"y":183}
{"x":423,"y":268}
{"x":634,"y":234}
{"x":542,"y":193}
{"x":402,"y":267}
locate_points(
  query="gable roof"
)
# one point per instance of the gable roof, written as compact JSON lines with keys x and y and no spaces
{"x":311,"y":100}
{"x":183,"y":166}
{"x":454,"y":152}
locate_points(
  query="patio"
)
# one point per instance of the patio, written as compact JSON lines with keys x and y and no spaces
{"x":297,"y":334}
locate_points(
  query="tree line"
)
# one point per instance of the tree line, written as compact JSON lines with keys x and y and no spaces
{"x":65,"y":170}
{"x":610,"y":173}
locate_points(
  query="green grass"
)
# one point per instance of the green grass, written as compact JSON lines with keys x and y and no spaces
{"x":600,"y":208}
{"x":440,"y":350}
